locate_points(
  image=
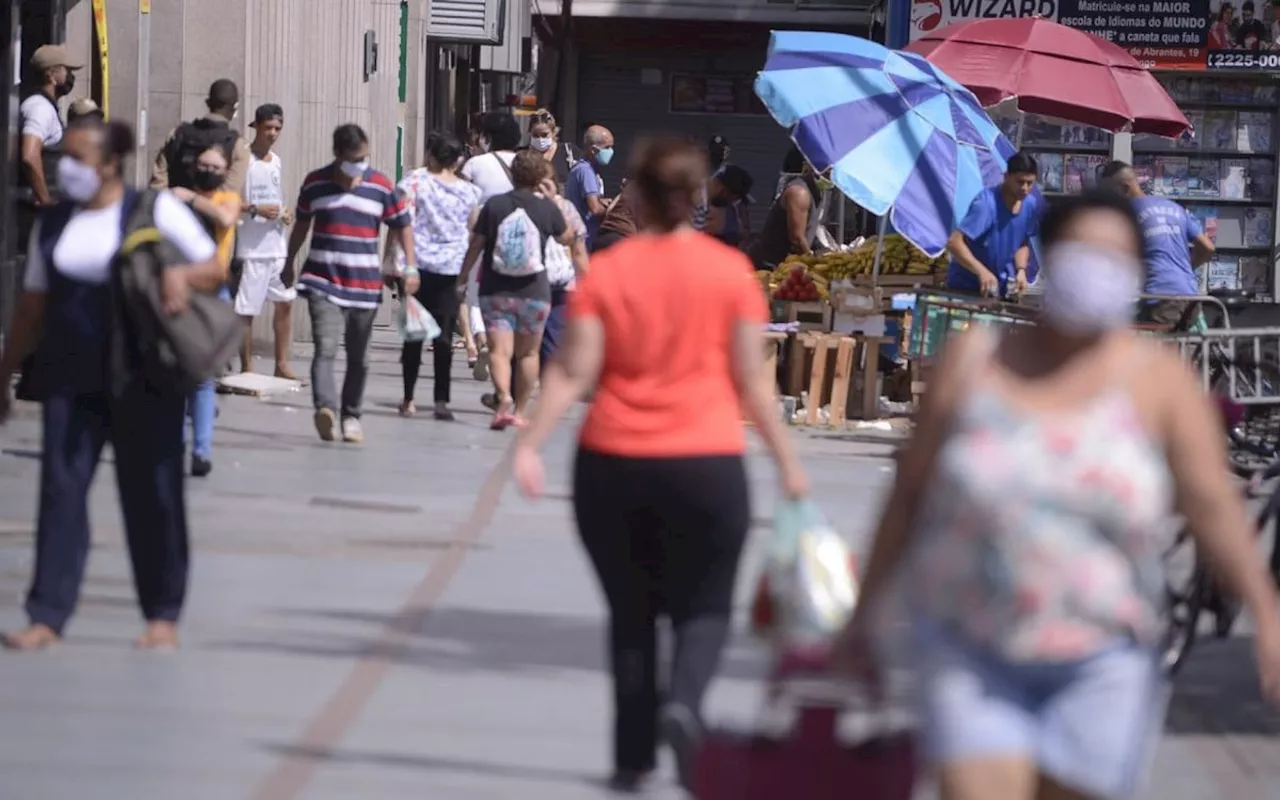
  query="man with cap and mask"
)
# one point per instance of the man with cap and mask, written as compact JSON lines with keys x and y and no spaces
{"x":53,"y":74}
{"x":53,"y":70}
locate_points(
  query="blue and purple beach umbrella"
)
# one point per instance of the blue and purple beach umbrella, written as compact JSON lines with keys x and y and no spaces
{"x":890,"y":130}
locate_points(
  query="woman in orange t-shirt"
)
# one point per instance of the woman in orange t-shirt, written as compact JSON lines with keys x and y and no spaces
{"x":220,"y":210}
{"x":668,"y":327}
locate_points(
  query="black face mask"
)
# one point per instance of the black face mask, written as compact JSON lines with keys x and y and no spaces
{"x":67,"y":87}
{"x":207,"y":181}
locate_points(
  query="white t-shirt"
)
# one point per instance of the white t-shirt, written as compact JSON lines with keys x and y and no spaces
{"x":488,"y":175}
{"x":89,"y":242}
{"x":40,"y":119}
{"x":260,"y":238}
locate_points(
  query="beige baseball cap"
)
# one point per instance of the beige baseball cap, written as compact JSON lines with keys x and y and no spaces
{"x":84,"y":105}
{"x":53,"y":55}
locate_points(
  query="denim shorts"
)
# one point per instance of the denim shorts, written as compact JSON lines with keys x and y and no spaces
{"x":1091,"y":725}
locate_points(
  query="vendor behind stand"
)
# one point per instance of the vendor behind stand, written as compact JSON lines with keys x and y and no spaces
{"x":791,"y":226}
{"x":729,"y":196}
{"x":1174,"y":245}
{"x":992,"y":247}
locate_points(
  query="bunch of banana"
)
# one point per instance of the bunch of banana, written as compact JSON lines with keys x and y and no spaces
{"x":897,"y":258}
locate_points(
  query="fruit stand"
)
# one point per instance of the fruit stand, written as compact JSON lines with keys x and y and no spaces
{"x":839,"y":321}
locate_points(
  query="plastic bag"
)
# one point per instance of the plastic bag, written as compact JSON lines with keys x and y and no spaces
{"x":415,"y":323}
{"x":808,"y":587}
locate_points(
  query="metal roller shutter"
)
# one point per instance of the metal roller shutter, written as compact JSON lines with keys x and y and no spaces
{"x":614,"y":92}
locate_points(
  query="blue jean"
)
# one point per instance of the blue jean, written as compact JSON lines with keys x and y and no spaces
{"x":145,"y":432}
{"x":202,"y":410}
{"x":1090,"y":724}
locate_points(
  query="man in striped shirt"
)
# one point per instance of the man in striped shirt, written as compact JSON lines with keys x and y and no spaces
{"x":342,"y":207}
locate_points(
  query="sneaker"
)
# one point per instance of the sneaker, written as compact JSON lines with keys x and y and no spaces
{"x":489,"y":400}
{"x":200,"y":467}
{"x":683,"y":734}
{"x":480,"y":370}
{"x":326,"y":422}
{"x":351,"y":431}
{"x":442,"y":414}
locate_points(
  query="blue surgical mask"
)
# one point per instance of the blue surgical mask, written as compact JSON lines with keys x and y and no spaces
{"x":605,"y":156}
{"x":542,"y":143}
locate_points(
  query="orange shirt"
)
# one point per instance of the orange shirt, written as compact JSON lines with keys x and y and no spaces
{"x":669,"y":305}
{"x":224,"y":237}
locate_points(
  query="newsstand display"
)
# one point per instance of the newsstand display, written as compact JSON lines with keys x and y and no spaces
{"x":1069,"y":155}
{"x":1224,"y":173}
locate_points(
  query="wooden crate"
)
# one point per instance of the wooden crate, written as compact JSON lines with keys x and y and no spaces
{"x":825,"y":366}
{"x":809,"y":316}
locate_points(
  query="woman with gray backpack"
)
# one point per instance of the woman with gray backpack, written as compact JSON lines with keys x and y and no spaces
{"x":101,"y":380}
{"x":508,"y":247}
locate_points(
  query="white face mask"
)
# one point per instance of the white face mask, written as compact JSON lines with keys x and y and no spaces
{"x":79,"y":182}
{"x":354,"y":169}
{"x":541,"y":143}
{"x":1089,"y":289}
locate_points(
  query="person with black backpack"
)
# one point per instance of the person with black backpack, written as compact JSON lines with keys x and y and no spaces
{"x":175,"y":165}
{"x":69,"y":314}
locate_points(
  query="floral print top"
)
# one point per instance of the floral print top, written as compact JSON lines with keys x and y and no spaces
{"x":441,"y":212}
{"x":1042,"y":535}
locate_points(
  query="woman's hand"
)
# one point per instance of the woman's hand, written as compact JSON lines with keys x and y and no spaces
{"x":795,"y":483}
{"x":548,"y":187}
{"x":175,"y":292}
{"x":526,"y":468}
{"x":853,"y":656}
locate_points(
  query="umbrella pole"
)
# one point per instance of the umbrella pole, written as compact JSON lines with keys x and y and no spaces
{"x":881,"y":226}
{"x":1022,"y":127}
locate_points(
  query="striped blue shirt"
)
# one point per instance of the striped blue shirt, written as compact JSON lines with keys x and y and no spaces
{"x":343,"y":261}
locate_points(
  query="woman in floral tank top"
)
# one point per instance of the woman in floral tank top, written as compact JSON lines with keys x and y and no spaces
{"x":1031,"y":506}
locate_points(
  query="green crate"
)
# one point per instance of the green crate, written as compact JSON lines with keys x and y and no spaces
{"x":935,"y":319}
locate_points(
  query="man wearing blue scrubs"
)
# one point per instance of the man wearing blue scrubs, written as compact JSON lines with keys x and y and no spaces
{"x":992,"y":247}
{"x":1175,"y":245}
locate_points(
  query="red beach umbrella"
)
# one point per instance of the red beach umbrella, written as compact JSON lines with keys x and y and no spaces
{"x":1050,"y":69}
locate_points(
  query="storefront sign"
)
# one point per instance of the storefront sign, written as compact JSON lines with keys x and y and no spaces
{"x":715,"y":94}
{"x":1161,"y":34}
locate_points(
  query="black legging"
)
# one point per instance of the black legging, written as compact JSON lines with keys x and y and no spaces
{"x":438,"y":294}
{"x":665,"y":536}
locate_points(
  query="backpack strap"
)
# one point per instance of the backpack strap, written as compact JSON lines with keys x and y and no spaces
{"x":138,"y":220}
{"x":511,"y":176}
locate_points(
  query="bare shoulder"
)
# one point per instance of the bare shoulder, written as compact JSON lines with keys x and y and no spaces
{"x":1164,"y":386}
{"x":1161,"y":369}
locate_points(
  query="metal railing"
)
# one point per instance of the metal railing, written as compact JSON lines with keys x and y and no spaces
{"x":1240,"y":363}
